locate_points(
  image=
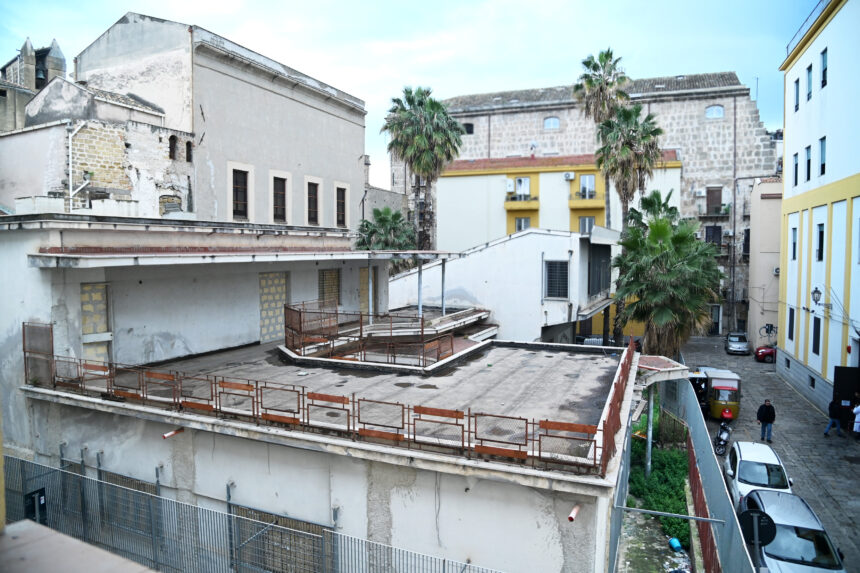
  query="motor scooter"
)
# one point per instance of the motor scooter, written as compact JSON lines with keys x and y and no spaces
{"x":721,"y":440}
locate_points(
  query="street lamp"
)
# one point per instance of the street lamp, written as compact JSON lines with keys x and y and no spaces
{"x":816,"y":296}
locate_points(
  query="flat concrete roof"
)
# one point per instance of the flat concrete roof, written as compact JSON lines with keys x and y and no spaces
{"x":530,"y":380}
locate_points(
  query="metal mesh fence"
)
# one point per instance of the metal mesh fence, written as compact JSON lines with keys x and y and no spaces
{"x":167,"y":535}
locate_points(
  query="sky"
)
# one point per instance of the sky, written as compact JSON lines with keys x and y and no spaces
{"x":373,"y":49}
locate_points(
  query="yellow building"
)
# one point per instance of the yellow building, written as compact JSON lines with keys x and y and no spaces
{"x":819,"y":320}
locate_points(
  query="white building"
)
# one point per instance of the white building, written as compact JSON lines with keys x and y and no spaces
{"x":819,"y":318}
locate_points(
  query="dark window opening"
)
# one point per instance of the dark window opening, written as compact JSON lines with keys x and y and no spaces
{"x":188,"y":151}
{"x":556,"y":279}
{"x":2,"y":93}
{"x":469,"y":128}
{"x":240,"y":194}
{"x":599,"y":269}
{"x":791,"y":324}
{"x":822,"y":154}
{"x":714,"y":234}
{"x":812,"y":382}
{"x":796,"y":95}
{"x":808,"y":162}
{"x":313,"y":204}
{"x":746,"y":251}
{"x":824,"y":67}
{"x":809,"y":83}
{"x":794,"y":243}
{"x":819,"y":252}
{"x":787,"y":364}
{"x":715,"y":200}
{"x":795,"y":170}
{"x":279,"y":190}
{"x":172,"y":147}
{"x":816,"y":335}
{"x":340,"y":200}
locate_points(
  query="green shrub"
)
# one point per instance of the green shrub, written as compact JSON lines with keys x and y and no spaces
{"x":664,"y":489}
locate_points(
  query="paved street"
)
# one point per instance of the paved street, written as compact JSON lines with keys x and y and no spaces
{"x":826,"y":471}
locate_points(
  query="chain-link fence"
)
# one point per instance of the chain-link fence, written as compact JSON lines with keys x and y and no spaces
{"x":167,"y":535}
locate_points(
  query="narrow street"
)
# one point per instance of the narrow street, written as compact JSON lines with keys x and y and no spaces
{"x":825,"y":471}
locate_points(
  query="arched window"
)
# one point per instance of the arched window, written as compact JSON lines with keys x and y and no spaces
{"x":714,"y":112}
{"x":172,"y":148}
{"x":551,"y":123}
{"x":188,"y":151}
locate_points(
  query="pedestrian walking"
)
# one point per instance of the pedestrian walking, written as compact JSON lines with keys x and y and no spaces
{"x":856,"y":411}
{"x":766,"y":416}
{"x":834,"y":411}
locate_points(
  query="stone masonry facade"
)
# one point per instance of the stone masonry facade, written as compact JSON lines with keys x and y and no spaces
{"x":710,"y":119}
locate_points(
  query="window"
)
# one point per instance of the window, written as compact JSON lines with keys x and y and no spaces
{"x":787,"y":364}
{"x":469,"y":128}
{"x":819,"y":251}
{"x":586,"y":224}
{"x":714,"y":200}
{"x":808,"y":162}
{"x":188,"y":151}
{"x":809,"y":83}
{"x":713,"y":234}
{"x":279,"y":194}
{"x":794,"y":243}
{"x":795,"y":170}
{"x":556,"y":279}
{"x":822,"y":155}
{"x":522,"y":185}
{"x":587,"y":189}
{"x":714,"y":112}
{"x":551,"y":123}
{"x":746,"y":247}
{"x":816,"y":335}
{"x":171,"y":147}
{"x":2,"y":93}
{"x":791,"y":324}
{"x":812,"y":382}
{"x":329,"y":285}
{"x":522,"y":223}
{"x":240,"y":194}
{"x":796,"y":95}
{"x":824,"y":67}
{"x":313,"y":204}
{"x":340,"y":202}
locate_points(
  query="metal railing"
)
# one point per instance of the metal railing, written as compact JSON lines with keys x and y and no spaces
{"x":521,"y":197}
{"x":546,"y":444}
{"x":167,"y":535}
{"x":807,"y":24}
{"x":585,"y":194}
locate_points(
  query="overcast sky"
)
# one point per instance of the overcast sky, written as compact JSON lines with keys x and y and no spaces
{"x":373,"y":49}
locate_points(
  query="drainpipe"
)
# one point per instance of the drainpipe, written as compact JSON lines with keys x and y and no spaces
{"x":650,"y":431}
{"x":443,"y":287}
{"x":733,"y":250}
{"x":420,"y":286}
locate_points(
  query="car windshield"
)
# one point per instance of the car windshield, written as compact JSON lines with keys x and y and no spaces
{"x":811,"y":547}
{"x":766,"y":475}
{"x":737,"y":338}
{"x":726,"y":395}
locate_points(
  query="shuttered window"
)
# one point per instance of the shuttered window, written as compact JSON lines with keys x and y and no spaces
{"x":556,"y":279}
{"x":329,"y":285}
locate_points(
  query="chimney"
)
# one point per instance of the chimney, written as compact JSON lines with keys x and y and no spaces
{"x":366,"y":170}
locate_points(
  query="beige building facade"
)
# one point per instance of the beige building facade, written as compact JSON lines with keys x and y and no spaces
{"x":763,"y":253}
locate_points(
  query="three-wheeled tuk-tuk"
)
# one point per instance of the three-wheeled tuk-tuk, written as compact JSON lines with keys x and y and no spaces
{"x":722,"y":394}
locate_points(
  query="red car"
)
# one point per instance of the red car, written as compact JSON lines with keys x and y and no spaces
{"x":765,"y":354}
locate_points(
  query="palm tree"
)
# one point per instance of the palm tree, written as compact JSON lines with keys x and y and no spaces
{"x":667,"y":277}
{"x":628,"y":154}
{"x":426,"y":138}
{"x":600,"y":90}
{"x":387,"y":232}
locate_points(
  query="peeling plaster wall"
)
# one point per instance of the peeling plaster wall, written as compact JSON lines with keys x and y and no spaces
{"x":31,"y":163}
{"x":489,"y":522}
{"x":145,"y":57}
{"x":246,"y":117}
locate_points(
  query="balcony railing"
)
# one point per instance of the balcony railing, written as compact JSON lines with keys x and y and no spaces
{"x":586,"y":194}
{"x":520,"y":197}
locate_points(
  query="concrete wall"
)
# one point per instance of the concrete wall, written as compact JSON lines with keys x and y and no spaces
{"x":377,"y":198}
{"x":61,"y":100}
{"x":270,"y":129}
{"x":146,"y":57}
{"x":765,"y":236}
{"x":512,"y":291}
{"x":30,"y":163}
{"x":13,"y":107}
{"x":489,"y":521}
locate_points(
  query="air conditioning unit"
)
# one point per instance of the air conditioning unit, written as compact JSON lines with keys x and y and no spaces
{"x":698,"y":234}
{"x":728,"y":233}
{"x":701,"y":193}
{"x":569,"y":176}
{"x":776,"y":271}
{"x":510,"y":184}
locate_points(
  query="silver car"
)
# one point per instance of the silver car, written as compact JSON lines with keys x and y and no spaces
{"x":801,"y":545}
{"x":736,"y":343}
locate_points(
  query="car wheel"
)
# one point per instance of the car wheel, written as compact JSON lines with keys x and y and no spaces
{"x":768,"y":358}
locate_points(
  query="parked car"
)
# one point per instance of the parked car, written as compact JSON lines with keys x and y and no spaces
{"x":801,"y":544}
{"x":751,"y":466}
{"x":736,"y":343}
{"x":766,"y":353}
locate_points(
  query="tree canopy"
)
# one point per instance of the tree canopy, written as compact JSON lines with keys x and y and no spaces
{"x":667,"y":277}
{"x":388,"y":231}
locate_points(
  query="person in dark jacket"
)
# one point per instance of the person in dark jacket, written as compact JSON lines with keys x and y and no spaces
{"x":834,"y":411}
{"x":766,"y":416}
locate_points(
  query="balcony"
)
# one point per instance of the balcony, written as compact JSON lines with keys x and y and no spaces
{"x":520,"y":202}
{"x":723,"y":211}
{"x":587,"y":199}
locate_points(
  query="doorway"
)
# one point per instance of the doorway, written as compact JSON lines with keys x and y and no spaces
{"x":36,"y":506}
{"x":715,"y":320}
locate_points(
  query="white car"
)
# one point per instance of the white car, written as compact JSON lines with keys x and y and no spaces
{"x":750,"y":466}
